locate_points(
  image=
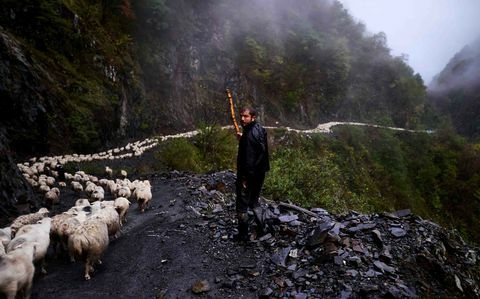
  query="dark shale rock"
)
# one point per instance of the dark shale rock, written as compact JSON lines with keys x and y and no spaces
{"x":287,"y":218}
{"x":398,"y":232}
{"x":279,"y":258}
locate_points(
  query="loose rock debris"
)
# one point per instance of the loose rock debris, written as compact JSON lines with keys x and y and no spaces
{"x":191,"y":252}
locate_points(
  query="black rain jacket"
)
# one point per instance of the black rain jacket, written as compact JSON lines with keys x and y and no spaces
{"x":252,"y":155}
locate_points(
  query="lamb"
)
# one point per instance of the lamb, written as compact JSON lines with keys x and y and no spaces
{"x":88,"y":242}
{"x":52,"y":197}
{"x":123,"y":173}
{"x":34,"y":233}
{"x":27,"y":219}
{"x":16,"y":271}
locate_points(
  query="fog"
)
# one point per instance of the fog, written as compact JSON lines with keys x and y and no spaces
{"x":430,"y":32}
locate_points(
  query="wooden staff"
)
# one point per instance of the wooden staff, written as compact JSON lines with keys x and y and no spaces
{"x":232,"y":111}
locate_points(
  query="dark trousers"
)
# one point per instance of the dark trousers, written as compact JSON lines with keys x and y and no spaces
{"x":248,"y":197}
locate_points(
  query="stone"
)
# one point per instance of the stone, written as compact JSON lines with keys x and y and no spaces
{"x":287,"y":218}
{"x":319,"y":234}
{"x":362,"y":226}
{"x":266,"y":293}
{"x":279,"y":258}
{"x":201,"y":286}
{"x":354,"y":261}
{"x":402,"y":213}
{"x":295,"y":223}
{"x":398,"y":232}
{"x":384,"y":267}
{"x":265,"y":237}
{"x":300,"y":296}
{"x":352,"y":272}
{"x":458,"y":283}
{"x":377,"y":237}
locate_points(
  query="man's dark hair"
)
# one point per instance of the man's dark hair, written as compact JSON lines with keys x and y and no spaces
{"x":250,"y":110}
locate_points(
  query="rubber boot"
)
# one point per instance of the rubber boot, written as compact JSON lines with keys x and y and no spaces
{"x":258,"y":212}
{"x":242,"y":235}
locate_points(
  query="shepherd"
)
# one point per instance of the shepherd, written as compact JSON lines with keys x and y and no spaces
{"x":252,"y":165}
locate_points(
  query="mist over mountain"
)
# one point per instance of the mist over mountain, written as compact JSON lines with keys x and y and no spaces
{"x":455,"y":91}
{"x":94,"y":73}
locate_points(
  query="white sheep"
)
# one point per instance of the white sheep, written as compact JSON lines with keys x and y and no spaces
{"x":82,"y":202}
{"x":43,"y":188}
{"x":52,"y":197}
{"x":124,"y":191}
{"x":112,"y":187}
{"x":34,"y":233}
{"x":121,"y":205}
{"x":27,"y":219}
{"x":108,"y":171}
{"x":123,"y":173}
{"x":50,"y":181}
{"x":98,"y":194}
{"x":88,"y":242}
{"x":89,"y":188}
{"x":5,"y":235}
{"x":108,"y":215}
{"x":63,"y":225}
{"x":77,"y":187}
{"x":16,"y":271}
{"x":143,"y":196}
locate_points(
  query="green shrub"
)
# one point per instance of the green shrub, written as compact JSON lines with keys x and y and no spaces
{"x":217,"y":148}
{"x":180,"y":154}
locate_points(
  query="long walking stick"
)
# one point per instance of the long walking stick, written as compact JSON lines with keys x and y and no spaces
{"x":232,"y":111}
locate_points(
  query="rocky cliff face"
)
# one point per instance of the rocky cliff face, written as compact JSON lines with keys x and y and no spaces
{"x":16,"y":194}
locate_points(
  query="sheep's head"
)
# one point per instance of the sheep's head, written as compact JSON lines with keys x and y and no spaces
{"x":43,"y":211}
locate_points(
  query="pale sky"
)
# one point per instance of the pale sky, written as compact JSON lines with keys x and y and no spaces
{"x":430,"y":32}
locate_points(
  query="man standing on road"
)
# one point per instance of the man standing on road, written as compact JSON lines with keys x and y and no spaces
{"x":252,"y":164}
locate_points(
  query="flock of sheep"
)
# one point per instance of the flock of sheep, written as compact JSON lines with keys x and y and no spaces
{"x":82,"y":232}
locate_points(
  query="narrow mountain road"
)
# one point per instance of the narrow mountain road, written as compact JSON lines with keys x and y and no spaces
{"x":159,"y":254}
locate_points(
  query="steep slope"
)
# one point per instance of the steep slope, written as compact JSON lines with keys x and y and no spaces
{"x":79,"y":75}
{"x":455,"y":91}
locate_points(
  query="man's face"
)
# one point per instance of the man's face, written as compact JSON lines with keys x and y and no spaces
{"x":246,"y":118}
